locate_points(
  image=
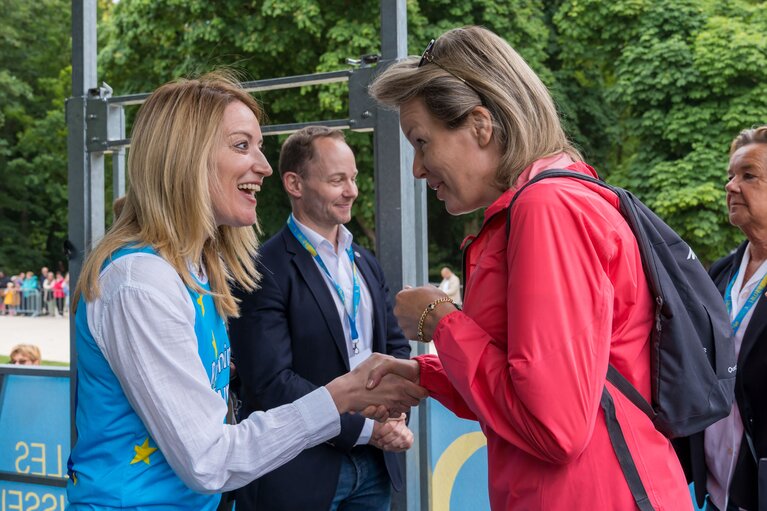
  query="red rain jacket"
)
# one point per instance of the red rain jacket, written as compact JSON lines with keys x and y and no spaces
{"x":544,"y":311}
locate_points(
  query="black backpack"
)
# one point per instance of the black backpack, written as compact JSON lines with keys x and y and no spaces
{"x":693,"y":361}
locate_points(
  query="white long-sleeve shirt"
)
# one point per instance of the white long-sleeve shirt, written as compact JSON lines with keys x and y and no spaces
{"x":143,"y":322}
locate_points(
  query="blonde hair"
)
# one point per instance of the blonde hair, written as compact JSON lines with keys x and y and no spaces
{"x":474,"y":67}
{"x":30,"y":351}
{"x":168,"y":204}
{"x":746,"y":137}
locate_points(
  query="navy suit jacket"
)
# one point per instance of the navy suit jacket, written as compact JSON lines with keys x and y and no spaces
{"x":288,"y":341}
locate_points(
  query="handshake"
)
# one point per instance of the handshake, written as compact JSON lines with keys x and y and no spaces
{"x":380,"y":388}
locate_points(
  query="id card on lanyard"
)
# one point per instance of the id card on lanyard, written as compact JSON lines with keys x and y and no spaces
{"x":752,"y":299}
{"x":355,"y":282}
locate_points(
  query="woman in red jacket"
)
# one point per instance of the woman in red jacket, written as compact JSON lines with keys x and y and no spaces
{"x":546,"y":306}
{"x":58,"y":292}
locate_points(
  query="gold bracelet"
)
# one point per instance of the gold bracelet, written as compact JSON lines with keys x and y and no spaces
{"x":426,"y":311}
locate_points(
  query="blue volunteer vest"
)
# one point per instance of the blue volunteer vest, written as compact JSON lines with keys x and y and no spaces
{"x":115,"y":462}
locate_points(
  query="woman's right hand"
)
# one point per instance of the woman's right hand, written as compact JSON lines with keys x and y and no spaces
{"x":410,"y":305}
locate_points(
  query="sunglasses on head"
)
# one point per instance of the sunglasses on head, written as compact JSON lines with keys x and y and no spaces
{"x":426,"y":56}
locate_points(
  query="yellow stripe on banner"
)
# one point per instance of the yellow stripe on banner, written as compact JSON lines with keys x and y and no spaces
{"x":449,"y":464}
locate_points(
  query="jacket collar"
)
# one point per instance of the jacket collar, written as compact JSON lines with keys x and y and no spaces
{"x":557,"y":161}
{"x":315,"y":281}
{"x":306,"y":267}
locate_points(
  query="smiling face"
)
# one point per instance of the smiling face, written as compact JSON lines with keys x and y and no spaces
{"x":747,"y":188}
{"x":324,"y":195}
{"x":458,"y":164}
{"x":240,"y":167}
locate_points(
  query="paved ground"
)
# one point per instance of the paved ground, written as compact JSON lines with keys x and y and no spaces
{"x":50,"y":334}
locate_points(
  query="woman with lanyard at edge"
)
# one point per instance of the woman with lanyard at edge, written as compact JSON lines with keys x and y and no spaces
{"x":727,"y":453}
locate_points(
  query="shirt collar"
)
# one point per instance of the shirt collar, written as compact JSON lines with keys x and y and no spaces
{"x":317,"y":240}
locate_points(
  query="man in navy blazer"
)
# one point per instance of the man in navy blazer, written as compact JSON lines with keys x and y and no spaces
{"x":322,"y":308}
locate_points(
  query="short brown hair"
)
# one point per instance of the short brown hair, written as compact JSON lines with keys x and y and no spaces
{"x":298,"y":149}
{"x":746,"y":137}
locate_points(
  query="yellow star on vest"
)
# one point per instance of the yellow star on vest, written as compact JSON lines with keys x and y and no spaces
{"x":214,"y":343}
{"x":74,"y":478}
{"x":199,"y":302}
{"x":143,"y":452}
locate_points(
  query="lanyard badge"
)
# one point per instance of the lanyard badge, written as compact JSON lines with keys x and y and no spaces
{"x":355,"y":283}
{"x":746,"y":306}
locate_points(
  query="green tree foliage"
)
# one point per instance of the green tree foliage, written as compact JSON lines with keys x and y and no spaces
{"x":652,"y":91}
{"x":150,"y":42}
{"x":678,"y":80}
{"x":34,"y":80}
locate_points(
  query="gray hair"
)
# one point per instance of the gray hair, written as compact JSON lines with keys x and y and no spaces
{"x":746,"y":137}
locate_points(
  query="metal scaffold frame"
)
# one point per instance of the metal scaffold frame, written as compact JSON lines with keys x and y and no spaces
{"x":96,"y":126}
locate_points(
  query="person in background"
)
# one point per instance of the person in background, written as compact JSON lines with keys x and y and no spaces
{"x":727,"y":453}
{"x":450,"y":285}
{"x":65,"y":288}
{"x":4,"y":280}
{"x":58,"y":292}
{"x":322,"y":309}
{"x":10,"y":299}
{"x":25,"y":355}
{"x":30,"y":295}
{"x":18,"y":279}
{"x":151,"y":307}
{"x":41,"y":288}
{"x":48,"y":297}
{"x":548,"y":303}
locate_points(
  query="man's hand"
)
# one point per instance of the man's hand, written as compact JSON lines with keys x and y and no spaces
{"x":408,"y":369}
{"x":390,"y":395}
{"x":392,"y":435}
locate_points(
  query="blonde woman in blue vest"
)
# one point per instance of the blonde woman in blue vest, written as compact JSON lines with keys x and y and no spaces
{"x":151,"y":305}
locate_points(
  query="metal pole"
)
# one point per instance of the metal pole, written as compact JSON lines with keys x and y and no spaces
{"x":116,"y":129}
{"x":118,"y":173}
{"x":82,"y":165}
{"x":401,"y":245}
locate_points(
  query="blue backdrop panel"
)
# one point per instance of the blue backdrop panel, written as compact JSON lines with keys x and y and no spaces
{"x":458,"y":462}
{"x":31,"y":497}
{"x":34,"y":439}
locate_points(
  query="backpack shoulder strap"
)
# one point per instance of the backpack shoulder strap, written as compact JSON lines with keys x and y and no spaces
{"x":545,"y":175}
{"x":626,"y":462}
{"x":613,"y":376}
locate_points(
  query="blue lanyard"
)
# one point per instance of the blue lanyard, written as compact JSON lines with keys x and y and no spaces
{"x":355,"y":284}
{"x":755,"y":294}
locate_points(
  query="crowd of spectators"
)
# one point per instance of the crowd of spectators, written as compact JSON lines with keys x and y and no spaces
{"x":28,"y":294}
